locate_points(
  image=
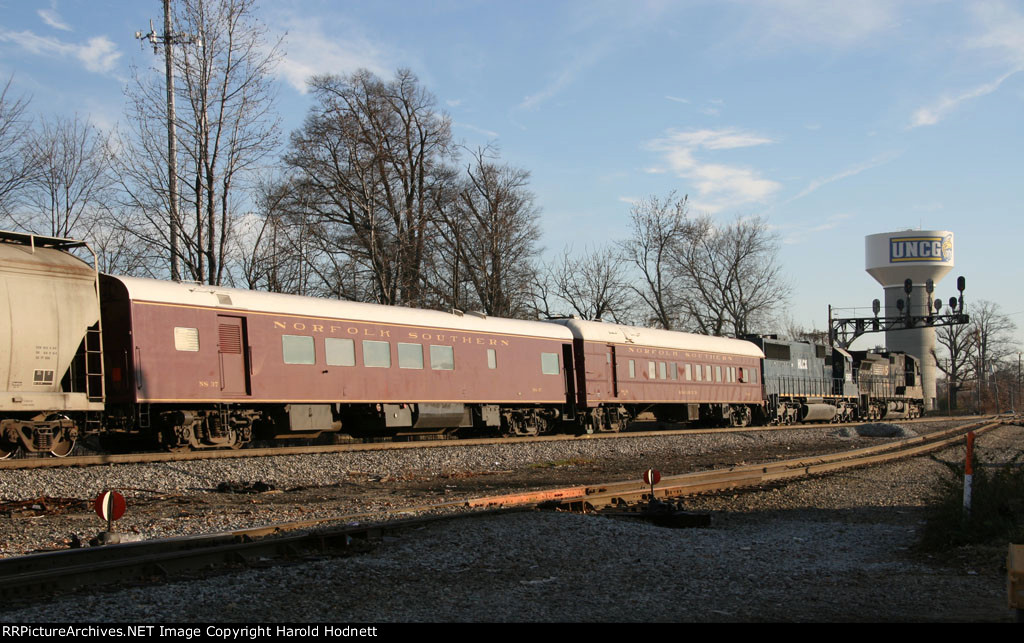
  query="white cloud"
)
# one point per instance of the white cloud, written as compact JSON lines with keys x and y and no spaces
{"x":724,"y":139}
{"x":1002,"y":31}
{"x":1000,"y":34}
{"x":576,"y":65}
{"x":934,"y":113}
{"x":794,"y":233}
{"x":315,"y":48}
{"x":677,"y":99}
{"x":99,"y":54}
{"x":785,"y":23}
{"x":851,"y":171}
{"x":717,"y":186}
{"x":52,"y":18}
{"x":479,"y":130}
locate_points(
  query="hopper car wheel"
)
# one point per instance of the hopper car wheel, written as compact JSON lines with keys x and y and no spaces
{"x":62,"y":445}
{"x":62,"y":448}
{"x":7,"y":449}
{"x":740,"y":416}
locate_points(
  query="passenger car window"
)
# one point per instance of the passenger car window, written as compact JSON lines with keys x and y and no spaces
{"x":186,"y":339}
{"x":549,"y":363}
{"x":376,"y":354}
{"x":410,"y":356}
{"x":492,"y":359}
{"x":442,"y":358}
{"x":340,"y":352}
{"x":298,"y":349}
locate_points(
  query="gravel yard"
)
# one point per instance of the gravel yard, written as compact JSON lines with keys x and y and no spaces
{"x":828,"y":549}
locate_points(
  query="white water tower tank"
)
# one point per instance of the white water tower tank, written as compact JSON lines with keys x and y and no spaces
{"x":918,"y":255}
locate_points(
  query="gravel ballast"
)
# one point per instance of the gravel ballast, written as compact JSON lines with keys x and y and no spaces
{"x":826,"y":549}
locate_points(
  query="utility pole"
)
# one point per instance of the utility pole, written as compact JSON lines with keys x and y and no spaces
{"x":168,"y":39}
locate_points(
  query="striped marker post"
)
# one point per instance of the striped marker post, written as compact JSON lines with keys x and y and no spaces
{"x":109,"y":506}
{"x":968,"y":475}
{"x":652,"y":477}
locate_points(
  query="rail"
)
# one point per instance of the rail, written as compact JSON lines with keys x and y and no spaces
{"x":70,"y":569}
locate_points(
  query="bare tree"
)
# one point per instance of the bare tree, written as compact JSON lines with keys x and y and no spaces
{"x":277,"y":248}
{"x":371,"y":156}
{"x":591,"y":286}
{"x":490,"y":237}
{"x":993,"y":335}
{"x":659,"y":226}
{"x":70,"y":190}
{"x":958,"y":364}
{"x":15,"y":163}
{"x":225,"y":125}
{"x":974,"y":351}
{"x":730,"y":277}
{"x":797,"y":332}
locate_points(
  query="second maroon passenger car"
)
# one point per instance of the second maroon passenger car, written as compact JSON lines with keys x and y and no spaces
{"x":622,"y":371}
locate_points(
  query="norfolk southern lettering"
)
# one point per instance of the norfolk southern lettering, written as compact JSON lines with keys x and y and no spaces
{"x":907,"y":249}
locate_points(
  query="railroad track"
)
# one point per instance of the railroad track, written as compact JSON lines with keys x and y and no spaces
{"x":151,"y":457}
{"x":69,"y":569}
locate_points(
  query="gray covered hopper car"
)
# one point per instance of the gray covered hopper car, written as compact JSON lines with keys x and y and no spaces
{"x":50,"y":366}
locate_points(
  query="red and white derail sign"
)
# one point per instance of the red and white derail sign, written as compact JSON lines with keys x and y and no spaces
{"x":652,"y":476}
{"x":110,"y":505}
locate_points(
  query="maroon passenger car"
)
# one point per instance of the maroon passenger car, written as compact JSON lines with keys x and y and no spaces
{"x":622,"y":371}
{"x":209,"y":366}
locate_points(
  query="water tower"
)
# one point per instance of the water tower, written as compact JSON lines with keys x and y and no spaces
{"x":917,"y":255}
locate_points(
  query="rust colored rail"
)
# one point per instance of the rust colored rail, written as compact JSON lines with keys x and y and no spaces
{"x":739,"y":476}
{"x":760,"y":474}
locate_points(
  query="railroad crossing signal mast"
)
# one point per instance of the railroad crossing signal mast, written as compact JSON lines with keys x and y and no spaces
{"x":842,"y":331}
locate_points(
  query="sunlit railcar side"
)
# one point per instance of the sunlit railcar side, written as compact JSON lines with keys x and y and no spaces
{"x":211,"y":366}
{"x":622,"y":371}
{"x":50,"y":343}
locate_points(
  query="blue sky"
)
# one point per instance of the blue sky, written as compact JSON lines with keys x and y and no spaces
{"x":834,"y":120}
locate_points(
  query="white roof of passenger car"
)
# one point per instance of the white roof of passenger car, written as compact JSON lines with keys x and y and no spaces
{"x":591,"y":331}
{"x":187,"y":294}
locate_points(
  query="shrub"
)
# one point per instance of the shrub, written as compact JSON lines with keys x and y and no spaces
{"x":997,"y":506}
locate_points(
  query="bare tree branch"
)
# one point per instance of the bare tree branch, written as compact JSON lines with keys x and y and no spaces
{"x":659,"y":225}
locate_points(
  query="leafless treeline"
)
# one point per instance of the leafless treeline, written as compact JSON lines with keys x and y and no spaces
{"x":372,"y":199}
{"x":675,"y":272}
{"x":977,"y":357}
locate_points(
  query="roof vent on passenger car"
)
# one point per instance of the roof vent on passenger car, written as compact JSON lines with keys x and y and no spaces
{"x":224,"y":300}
